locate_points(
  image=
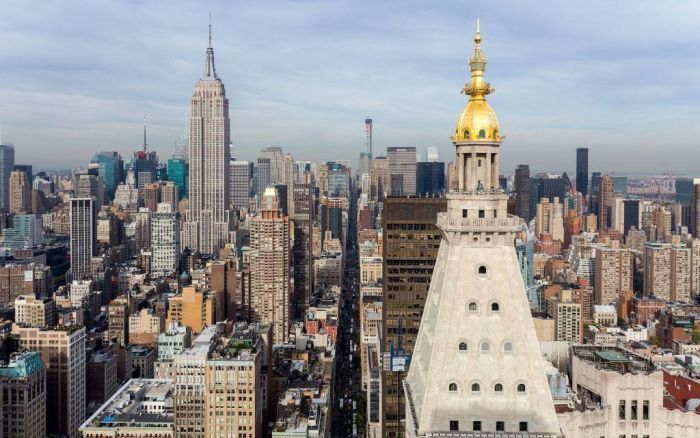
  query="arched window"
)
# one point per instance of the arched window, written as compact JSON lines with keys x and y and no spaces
{"x":482,"y":270}
{"x":485,"y":347}
{"x":476,"y":387}
{"x":452,"y":387}
{"x":482,"y":134}
{"x":462,"y":346}
{"x":521,"y":388}
{"x":466,"y":133}
{"x":472,"y":307}
{"x":495,"y":133}
{"x":498,"y":387}
{"x":508,"y":348}
{"x":495,"y":307}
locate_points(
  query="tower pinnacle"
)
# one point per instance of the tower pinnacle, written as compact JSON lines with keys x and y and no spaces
{"x":209,"y":69}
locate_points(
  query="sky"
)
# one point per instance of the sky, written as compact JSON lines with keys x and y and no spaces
{"x":621,"y":78}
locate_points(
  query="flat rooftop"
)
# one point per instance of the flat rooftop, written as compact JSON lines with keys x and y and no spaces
{"x":613,"y":359}
{"x":133,"y":406}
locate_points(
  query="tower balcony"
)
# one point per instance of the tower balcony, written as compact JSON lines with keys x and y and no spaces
{"x":465,"y":225}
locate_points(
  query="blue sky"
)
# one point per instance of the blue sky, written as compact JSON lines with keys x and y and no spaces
{"x":619,"y":77}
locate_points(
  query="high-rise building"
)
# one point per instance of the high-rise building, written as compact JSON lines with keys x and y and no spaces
{"x":566,"y":313}
{"x":7,"y":165}
{"x":476,"y":367}
{"x":549,"y":219}
{"x":582,"y":170}
{"x":26,"y":232}
{"x":402,"y":163}
{"x":23,"y":401}
{"x":365,"y":163}
{"x":276,"y":172}
{"x":150,"y":194}
{"x":169,"y":195}
{"x":240,"y":183}
{"x":695,"y":209}
{"x":118,"y":320}
{"x":614,"y":271}
{"x":208,"y":220}
{"x":83,"y":236}
{"x":178,"y":172}
{"x":430,"y":178}
{"x":271,"y":254}
{"x":35,"y":312}
{"x":196,"y":308}
{"x":165,"y":241}
{"x":667,"y":271}
{"x":631,"y":214}
{"x":20,"y":188}
{"x":301,"y":251}
{"x":63,"y":352}
{"x":380,"y":178}
{"x":198,"y":414}
{"x":522,"y":192}
{"x":606,"y":202}
{"x":262,"y":175}
{"x":410,"y":247}
{"x":110,"y":170}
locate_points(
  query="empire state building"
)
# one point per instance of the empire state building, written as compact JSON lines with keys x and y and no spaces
{"x":208,"y":219}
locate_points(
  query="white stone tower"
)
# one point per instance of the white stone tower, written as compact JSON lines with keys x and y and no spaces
{"x":476,"y":368}
{"x":208,"y":218}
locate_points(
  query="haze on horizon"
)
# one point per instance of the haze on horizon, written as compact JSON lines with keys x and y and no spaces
{"x":617,"y":77}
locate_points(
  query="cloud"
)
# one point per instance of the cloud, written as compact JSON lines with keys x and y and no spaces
{"x":618,"y":77}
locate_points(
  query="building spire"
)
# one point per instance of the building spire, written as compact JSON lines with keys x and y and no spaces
{"x":209,"y":69}
{"x":145,"y":145}
{"x":478,"y":88}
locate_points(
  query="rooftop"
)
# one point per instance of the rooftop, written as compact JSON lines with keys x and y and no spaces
{"x":613,"y":359}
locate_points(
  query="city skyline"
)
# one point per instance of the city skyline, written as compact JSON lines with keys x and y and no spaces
{"x":574,"y":78}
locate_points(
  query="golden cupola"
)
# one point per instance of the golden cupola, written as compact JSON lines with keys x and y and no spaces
{"x":478,"y":121}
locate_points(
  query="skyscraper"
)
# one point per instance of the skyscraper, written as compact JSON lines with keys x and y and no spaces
{"x":23,"y":383}
{"x":110,"y":170}
{"x":165,"y":240}
{"x":522,"y":191}
{"x":7,"y":165}
{"x":614,"y":270}
{"x":178,"y":172}
{"x":83,"y":236}
{"x":20,"y":189}
{"x":208,"y":219}
{"x":402,"y":163}
{"x":430,"y":178}
{"x":379,"y":178}
{"x":240,"y":183}
{"x":476,"y":367}
{"x":606,"y":202}
{"x":410,"y":246}
{"x":274,"y":154}
{"x":695,"y":208}
{"x":270,"y":254}
{"x":303,"y":242}
{"x":582,"y":170}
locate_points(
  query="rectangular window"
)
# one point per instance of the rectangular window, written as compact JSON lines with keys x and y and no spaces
{"x":477,"y":426}
{"x":645,"y":410}
{"x":454,"y":425}
{"x":523,"y":426}
{"x":500,"y":426}
{"x":482,"y":214}
{"x":465,"y":212}
{"x":633,"y":410}
{"x":621,"y":410}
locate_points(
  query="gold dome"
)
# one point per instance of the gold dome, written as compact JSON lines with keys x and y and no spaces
{"x":478,"y":121}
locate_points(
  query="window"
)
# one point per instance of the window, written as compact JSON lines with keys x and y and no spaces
{"x":482,"y":270}
{"x":645,"y":410}
{"x":482,"y":214}
{"x":472,"y":307}
{"x":485,"y":347}
{"x":466,"y":133}
{"x":633,"y":410}
{"x":495,"y":213}
{"x":500,"y":426}
{"x":621,"y":410}
{"x":462,"y":346}
{"x":454,"y":425}
{"x":479,"y":162}
{"x":508,"y":348}
{"x":476,"y":387}
{"x":452,"y":387}
{"x":465,"y":213}
{"x":482,"y":133}
{"x":521,"y":388}
{"x":523,"y":426}
{"x":476,"y":426}
{"x":498,"y":387}
{"x":495,"y":307}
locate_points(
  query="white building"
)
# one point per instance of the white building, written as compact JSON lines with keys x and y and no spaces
{"x":476,"y":368}
{"x":165,"y":241}
{"x":621,"y":394}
